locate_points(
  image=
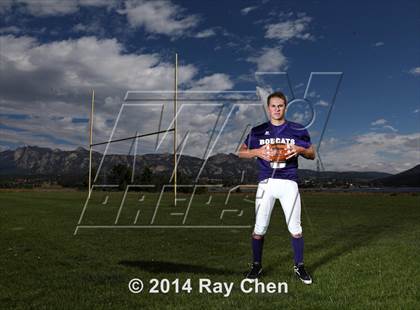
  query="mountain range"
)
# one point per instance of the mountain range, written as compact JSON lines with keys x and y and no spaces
{"x":33,"y":160}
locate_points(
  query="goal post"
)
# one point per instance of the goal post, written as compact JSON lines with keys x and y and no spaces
{"x":136,"y":136}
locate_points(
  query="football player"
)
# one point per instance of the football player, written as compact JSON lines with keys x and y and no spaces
{"x":277,"y":180}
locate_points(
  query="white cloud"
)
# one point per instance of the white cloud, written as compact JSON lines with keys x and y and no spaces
{"x":108,"y":3}
{"x":205,"y":34}
{"x":56,"y":7}
{"x":290,"y":29}
{"x":217,"y":81}
{"x":380,"y":121}
{"x":415,"y":71}
{"x":377,"y":44}
{"x":159,"y":17}
{"x":390,"y":140}
{"x":88,"y":62}
{"x":94,"y":28}
{"x":314,"y":94}
{"x":383,"y":124}
{"x":301,"y":117}
{"x":58,"y":77}
{"x":248,"y":9}
{"x":386,"y":152}
{"x":416,"y":111}
{"x":80,"y":27}
{"x":52,"y":7}
{"x":10,"y":29}
{"x":156,"y":17}
{"x":390,"y":128}
{"x":322,"y":103}
{"x":5,"y":5}
{"x":270,"y":59}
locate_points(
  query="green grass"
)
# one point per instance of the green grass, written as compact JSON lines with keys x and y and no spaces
{"x":362,"y":250}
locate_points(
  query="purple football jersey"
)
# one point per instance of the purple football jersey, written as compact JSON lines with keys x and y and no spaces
{"x":287,"y":133}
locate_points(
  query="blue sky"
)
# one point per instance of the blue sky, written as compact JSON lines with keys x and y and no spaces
{"x":52,"y":52}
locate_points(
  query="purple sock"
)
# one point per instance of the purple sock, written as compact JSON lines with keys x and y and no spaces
{"x":257,"y":248}
{"x":297,"y":245}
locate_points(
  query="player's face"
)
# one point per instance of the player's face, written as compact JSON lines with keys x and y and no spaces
{"x":277,"y":108}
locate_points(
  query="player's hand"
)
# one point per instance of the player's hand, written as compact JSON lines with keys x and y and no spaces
{"x":264,"y":152}
{"x":294,"y":150}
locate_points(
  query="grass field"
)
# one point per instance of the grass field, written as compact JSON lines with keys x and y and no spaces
{"x":363,"y":251}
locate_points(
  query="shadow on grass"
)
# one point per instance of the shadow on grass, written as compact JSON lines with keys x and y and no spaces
{"x":339,"y":242}
{"x":168,"y":267}
{"x":346,"y":240}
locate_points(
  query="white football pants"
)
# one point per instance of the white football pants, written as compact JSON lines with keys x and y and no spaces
{"x":288,"y":193}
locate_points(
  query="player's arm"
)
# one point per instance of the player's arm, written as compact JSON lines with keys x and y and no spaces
{"x":262,"y":152}
{"x":308,"y":153}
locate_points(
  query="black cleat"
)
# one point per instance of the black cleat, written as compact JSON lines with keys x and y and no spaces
{"x":302,"y":274}
{"x":255,"y":272}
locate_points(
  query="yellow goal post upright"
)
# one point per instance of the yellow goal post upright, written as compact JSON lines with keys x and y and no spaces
{"x":175,"y":115}
{"x":91,"y":144}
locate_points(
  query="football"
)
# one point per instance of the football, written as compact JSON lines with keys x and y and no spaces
{"x":279,"y":152}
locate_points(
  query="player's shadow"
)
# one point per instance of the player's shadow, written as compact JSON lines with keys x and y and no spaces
{"x":345,"y":240}
{"x":169,"y":267}
{"x":341,"y":241}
